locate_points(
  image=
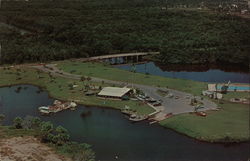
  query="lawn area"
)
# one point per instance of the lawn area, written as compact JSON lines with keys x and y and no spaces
{"x":230,"y":95}
{"x":107,"y":72}
{"x":231,"y":123}
{"x":9,"y":132}
{"x":59,"y":89}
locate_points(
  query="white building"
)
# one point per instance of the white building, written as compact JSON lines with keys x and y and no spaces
{"x":114,"y":92}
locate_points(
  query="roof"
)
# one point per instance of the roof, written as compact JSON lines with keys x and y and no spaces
{"x":113,"y":91}
{"x":211,"y":87}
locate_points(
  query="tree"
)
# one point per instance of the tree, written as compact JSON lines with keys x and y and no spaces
{"x":83,"y":78}
{"x":2,"y":117}
{"x":88,"y":78}
{"x":30,"y":122}
{"x":46,"y":129}
{"x":17,"y":122}
{"x":62,"y":135}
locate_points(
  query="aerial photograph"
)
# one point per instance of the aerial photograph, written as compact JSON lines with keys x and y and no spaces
{"x":124,"y":80}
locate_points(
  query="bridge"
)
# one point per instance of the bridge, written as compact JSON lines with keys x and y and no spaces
{"x":126,"y":57}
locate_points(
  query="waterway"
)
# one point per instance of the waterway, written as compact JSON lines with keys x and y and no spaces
{"x":111,"y":134}
{"x":197,"y":73}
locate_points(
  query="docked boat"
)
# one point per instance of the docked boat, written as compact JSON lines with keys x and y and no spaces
{"x":57,"y":107}
{"x":136,"y":118}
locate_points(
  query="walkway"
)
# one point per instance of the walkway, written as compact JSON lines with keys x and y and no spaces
{"x":169,"y":105}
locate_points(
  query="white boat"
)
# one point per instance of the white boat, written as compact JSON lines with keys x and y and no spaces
{"x":44,"y":109}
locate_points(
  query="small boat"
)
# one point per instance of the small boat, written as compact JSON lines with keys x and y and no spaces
{"x":136,"y":118}
{"x":44,"y":110}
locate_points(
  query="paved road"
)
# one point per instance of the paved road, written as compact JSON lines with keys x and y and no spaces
{"x":169,"y":105}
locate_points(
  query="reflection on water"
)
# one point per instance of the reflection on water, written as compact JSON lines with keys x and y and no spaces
{"x":111,"y":134}
{"x":189,"y":72}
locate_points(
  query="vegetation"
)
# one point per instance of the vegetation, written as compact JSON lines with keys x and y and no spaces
{"x":108,"y":72}
{"x":67,"y":29}
{"x":56,"y":137}
{"x":230,"y":124}
{"x":62,"y":88}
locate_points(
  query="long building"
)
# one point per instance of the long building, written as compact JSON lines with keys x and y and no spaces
{"x":114,"y":92}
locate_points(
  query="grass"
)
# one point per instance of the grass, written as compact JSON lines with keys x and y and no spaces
{"x":68,"y":150}
{"x":230,"y":124}
{"x":9,"y":132}
{"x":59,"y":89}
{"x":105,"y":71}
{"x":230,"y":95}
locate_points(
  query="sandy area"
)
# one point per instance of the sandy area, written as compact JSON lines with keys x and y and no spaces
{"x":27,"y":149}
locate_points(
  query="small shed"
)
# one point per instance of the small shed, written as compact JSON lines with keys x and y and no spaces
{"x":211,"y":87}
{"x":114,"y":92}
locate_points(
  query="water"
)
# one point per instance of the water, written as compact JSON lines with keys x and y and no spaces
{"x":112,"y":134}
{"x":209,"y":75}
{"x":236,"y":88}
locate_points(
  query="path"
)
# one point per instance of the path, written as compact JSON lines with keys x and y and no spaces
{"x":169,"y":105}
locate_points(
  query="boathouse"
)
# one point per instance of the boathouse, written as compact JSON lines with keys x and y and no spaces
{"x":115,"y":92}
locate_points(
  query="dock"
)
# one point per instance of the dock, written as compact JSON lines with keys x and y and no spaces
{"x":57,"y":107}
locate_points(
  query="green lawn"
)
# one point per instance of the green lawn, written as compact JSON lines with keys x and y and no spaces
{"x":231,"y":123}
{"x":59,"y":89}
{"x":230,"y":95}
{"x":9,"y":132}
{"x":107,"y":72}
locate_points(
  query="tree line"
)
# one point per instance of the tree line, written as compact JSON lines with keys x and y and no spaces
{"x":72,"y":29}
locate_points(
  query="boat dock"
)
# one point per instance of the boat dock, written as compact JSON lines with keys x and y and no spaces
{"x":57,"y":107}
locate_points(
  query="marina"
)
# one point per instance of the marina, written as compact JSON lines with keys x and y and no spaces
{"x":105,"y":126}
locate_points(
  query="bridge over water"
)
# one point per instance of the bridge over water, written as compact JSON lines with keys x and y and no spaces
{"x":126,"y":57}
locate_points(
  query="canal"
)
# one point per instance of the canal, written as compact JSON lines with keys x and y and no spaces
{"x":111,"y":134}
{"x":197,"y":73}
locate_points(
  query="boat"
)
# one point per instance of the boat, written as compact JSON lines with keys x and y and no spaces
{"x":57,"y":107}
{"x":136,"y":118}
{"x":44,"y":109}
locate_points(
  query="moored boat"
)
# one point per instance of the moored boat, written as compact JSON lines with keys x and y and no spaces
{"x":57,"y":107}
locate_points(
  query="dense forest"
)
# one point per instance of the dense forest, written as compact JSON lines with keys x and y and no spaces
{"x":61,"y":29}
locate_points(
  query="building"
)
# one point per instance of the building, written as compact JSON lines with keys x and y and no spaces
{"x":211,"y":87}
{"x":115,"y":92}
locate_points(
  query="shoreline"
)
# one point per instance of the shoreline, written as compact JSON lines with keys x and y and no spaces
{"x":216,"y":141}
